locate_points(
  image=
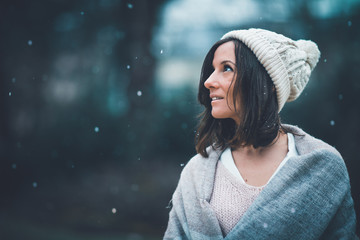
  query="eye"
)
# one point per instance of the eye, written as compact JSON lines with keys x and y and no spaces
{"x":227,"y":68}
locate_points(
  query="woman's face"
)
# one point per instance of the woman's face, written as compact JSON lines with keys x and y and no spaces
{"x":219,"y":82}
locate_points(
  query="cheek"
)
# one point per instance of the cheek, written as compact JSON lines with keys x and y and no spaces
{"x":237,"y":105}
{"x":230,"y":97}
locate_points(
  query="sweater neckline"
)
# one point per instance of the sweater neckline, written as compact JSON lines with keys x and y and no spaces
{"x":227,"y":160}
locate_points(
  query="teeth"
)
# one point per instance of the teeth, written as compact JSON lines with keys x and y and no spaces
{"x":216,"y":98}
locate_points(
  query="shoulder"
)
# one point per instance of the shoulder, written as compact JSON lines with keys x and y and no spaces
{"x":305,"y":143}
{"x":198,"y":175}
{"x":314,"y":150}
{"x":198,"y":163}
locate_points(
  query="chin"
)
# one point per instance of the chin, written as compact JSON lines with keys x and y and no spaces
{"x":222,"y":115}
{"x":217,"y":115}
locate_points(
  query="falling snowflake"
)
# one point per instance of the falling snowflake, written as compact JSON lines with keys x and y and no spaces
{"x":332,"y":122}
{"x":10,"y":94}
{"x":128,"y":67}
{"x":265,"y":225}
{"x":161,"y":51}
{"x":349,"y":23}
{"x":30,"y":42}
{"x":82,"y":13}
{"x":130,"y":6}
{"x":182,"y":164}
{"x":113,"y":210}
{"x":96,"y":129}
{"x":292,"y":210}
{"x":35,"y":184}
{"x":139,"y":93}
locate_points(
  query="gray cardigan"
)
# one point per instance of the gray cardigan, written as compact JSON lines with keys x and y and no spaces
{"x":309,"y":198}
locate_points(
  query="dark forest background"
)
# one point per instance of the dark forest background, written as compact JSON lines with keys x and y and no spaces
{"x":89,"y":149}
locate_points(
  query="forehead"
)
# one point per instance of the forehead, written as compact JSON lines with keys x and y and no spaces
{"x":225,"y":52}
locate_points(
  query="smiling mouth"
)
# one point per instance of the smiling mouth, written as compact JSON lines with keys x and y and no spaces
{"x":216,"y":98}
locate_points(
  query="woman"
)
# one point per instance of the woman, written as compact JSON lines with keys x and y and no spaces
{"x":253,"y":177}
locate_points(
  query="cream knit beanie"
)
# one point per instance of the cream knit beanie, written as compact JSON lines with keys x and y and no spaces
{"x":289,"y":63}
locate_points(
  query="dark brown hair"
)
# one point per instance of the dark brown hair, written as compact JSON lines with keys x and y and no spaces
{"x":258,"y":111}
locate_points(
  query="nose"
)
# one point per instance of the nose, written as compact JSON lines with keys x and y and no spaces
{"x":211,"y":82}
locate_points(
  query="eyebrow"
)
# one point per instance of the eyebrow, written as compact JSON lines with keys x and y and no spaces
{"x":226,"y":61}
{"x":223,"y":62}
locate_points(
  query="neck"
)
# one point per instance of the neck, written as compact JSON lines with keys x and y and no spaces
{"x":278,"y":143}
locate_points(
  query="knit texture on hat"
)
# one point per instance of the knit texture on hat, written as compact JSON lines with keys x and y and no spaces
{"x":289,"y":63}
